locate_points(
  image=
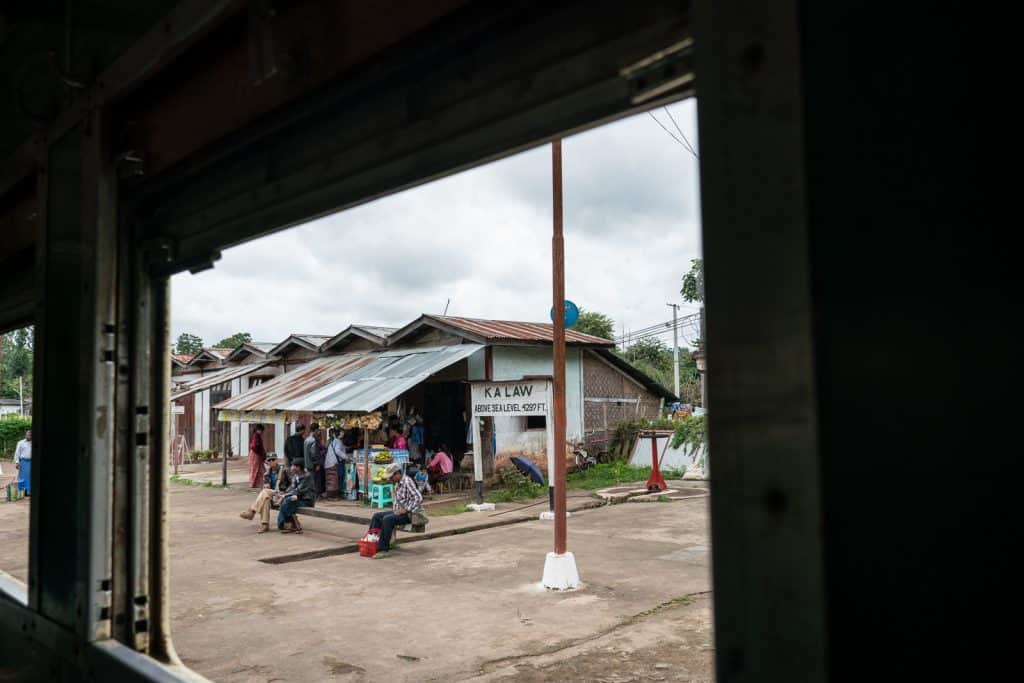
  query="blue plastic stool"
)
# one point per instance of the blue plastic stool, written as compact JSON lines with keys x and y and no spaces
{"x":381,"y":494}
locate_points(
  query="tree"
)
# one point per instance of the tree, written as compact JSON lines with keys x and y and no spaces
{"x":237,"y":339}
{"x":653,"y":357}
{"x":188,"y":343}
{"x":16,"y":361}
{"x":596,"y":324}
{"x":693,"y":282}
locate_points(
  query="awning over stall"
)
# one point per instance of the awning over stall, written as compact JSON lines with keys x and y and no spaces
{"x":348,"y":383}
{"x":219,"y":377}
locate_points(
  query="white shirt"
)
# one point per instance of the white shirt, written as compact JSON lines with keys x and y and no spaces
{"x":23,"y":451}
{"x":335,"y":453}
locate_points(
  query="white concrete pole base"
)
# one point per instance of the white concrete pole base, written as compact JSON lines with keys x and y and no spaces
{"x":548,"y":515}
{"x":560,"y":572}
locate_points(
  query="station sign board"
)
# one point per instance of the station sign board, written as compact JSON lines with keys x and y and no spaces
{"x":511,"y":399}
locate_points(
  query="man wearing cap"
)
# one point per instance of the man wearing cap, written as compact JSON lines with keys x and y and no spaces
{"x":275,"y":480}
{"x":408,"y":499}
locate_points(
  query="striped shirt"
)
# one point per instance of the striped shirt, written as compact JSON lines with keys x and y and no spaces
{"x":407,"y":496}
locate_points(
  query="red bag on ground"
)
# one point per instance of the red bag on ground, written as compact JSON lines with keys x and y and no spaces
{"x":368,"y":548}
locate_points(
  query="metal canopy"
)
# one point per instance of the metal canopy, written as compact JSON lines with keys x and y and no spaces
{"x":218,"y":378}
{"x":347,"y":383}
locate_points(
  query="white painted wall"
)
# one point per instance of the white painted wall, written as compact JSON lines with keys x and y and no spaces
{"x":668,"y":458}
{"x":516,"y":362}
{"x":201,"y":438}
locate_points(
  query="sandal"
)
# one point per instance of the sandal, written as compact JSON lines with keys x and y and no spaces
{"x":264,"y":529}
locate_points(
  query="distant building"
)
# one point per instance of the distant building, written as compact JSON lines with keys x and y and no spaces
{"x":12,"y":406}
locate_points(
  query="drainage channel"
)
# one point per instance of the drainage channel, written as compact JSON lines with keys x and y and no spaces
{"x":409,"y":538}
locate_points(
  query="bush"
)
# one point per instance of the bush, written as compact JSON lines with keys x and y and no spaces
{"x":512,"y":486}
{"x":12,"y":430}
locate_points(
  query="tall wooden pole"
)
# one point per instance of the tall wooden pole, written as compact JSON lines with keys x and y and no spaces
{"x":558,"y":352}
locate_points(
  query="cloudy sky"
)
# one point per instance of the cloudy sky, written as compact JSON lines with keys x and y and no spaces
{"x":482,"y":239}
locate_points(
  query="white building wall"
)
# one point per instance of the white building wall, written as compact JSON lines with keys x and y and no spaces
{"x":516,"y":362}
{"x":201,"y":438}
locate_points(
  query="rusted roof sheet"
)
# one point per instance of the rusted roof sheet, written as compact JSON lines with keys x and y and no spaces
{"x":216,"y":378}
{"x":284,"y":390}
{"x":349,"y":382}
{"x":498,"y":331}
{"x":182,"y":358}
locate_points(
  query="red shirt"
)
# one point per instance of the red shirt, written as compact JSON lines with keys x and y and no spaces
{"x":398,"y":442}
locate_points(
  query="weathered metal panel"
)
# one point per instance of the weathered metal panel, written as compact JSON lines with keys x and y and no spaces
{"x":218,"y":378}
{"x":349,"y":382}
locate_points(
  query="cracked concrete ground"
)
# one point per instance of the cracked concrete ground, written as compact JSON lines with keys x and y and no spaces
{"x":465,"y":607}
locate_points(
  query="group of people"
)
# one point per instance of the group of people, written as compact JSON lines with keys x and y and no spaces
{"x":315,"y":468}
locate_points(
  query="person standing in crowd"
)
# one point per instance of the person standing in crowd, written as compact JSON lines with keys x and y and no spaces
{"x":335,"y":462}
{"x":417,"y":441}
{"x":293,"y":445}
{"x":408,"y":500}
{"x":257,"y":457}
{"x":23,"y":463}
{"x":275,"y":480}
{"x":398,"y":440}
{"x":312,"y":459}
{"x":301,"y":493}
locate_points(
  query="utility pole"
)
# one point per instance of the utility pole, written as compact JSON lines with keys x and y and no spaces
{"x":21,"y":393}
{"x":560,"y":571}
{"x":675,"y":345}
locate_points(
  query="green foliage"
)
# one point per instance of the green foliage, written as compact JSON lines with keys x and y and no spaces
{"x":597,"y":324}
{"x":188,"y":343}
{"x":613,"y":474}
{"x":12,"y":430}
{"x":693,"y":282}
{"x":690,"y":431}
{"x":16,"y":361}
{"x":513,"y":486}
{"x":237,"y":339}
{"x":654,"y":358}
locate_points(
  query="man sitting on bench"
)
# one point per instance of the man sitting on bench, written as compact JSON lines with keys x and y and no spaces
{"x":408,"y":500}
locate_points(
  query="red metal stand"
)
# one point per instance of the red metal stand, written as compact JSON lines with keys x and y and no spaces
{"x":655,"y":482}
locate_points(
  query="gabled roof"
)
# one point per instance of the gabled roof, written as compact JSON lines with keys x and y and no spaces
{"x":373,"y":333}
{"x":210,"y":355}
{"x":496,"y":331}
{"x":181,"y":359}
{"x":260,"y":349}
{"x":309,"y":342}
{"x":218,"y":377}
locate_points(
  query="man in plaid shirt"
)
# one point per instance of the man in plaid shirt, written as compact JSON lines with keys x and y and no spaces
{"x":407,"y":499}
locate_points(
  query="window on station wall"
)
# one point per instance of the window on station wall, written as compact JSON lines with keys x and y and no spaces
{"x":16,"y":368}
{"x":473,"y":245}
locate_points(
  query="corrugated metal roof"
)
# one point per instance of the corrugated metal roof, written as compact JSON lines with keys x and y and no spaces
{"x":311,"y":342}
{"x":182,"y":358}
{"x":350,"y":382}
{"x":510,"y":330}
{"x":216,"y":378}
{"x":376,"y":329}
{"x":374,"y":333}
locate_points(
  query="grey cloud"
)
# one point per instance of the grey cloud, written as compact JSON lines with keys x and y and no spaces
{"x":480,"y":238}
